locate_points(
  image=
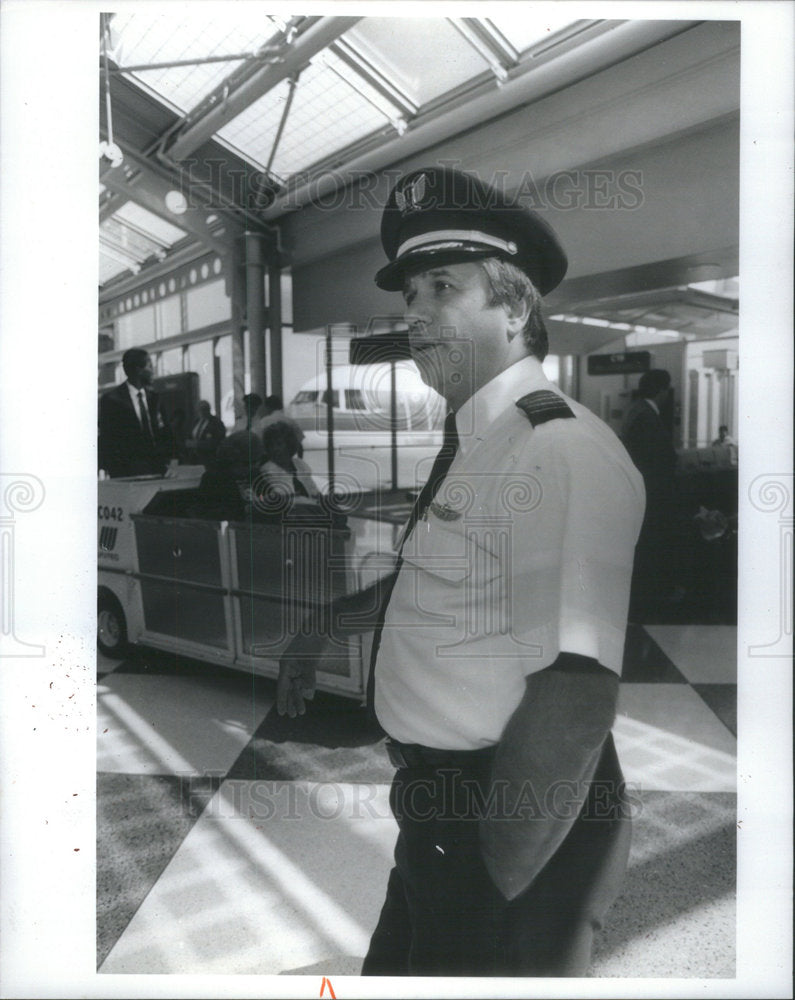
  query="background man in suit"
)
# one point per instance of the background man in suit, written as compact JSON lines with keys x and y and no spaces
{"x":207,"y":434}
{"x":648,"y":441}
{"x":133,"y":437}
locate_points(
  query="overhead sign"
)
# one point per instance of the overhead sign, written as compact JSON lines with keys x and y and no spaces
{"x":625,"y":363}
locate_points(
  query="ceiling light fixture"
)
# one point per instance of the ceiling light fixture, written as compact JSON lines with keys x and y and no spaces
{"x":176,"y":202}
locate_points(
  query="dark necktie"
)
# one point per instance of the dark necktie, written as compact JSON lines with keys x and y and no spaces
{"x":439,"y":470}
{"x":145,"y":416}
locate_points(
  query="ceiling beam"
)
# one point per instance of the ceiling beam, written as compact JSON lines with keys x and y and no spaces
{"x":593,"y":290}
{"x":110,"y":202}
{"x":124,"y":285}
{"x":135,"y":180}
{"x":317,"y":38}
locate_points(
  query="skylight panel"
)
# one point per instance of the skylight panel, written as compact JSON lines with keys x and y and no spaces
{"x":524,"y":31}
{"x":253,"y":131}
{"x":424,"y":57}
{"x":143,"y":38}
{"x":158,"y":230}
{"x":332,"y":107}
{"x":110,"y":267}
{"x":117,"y":235}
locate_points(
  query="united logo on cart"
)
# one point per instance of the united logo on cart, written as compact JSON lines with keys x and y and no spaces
{"x":107,"y":538}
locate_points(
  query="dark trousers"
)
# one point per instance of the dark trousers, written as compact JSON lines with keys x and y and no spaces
{"x":443,"y":915}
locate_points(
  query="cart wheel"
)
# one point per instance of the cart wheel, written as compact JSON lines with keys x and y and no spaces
{"x":111,"y":627}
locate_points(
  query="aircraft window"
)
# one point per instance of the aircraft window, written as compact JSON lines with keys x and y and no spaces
{"x":354,"y":399}
{"x":306,"y":396}
{"x":335,"y":398}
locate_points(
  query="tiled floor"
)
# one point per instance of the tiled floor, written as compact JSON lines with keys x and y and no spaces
{"x":232,"y":840}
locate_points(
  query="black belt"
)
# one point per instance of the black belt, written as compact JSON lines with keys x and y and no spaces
{"x":415,"y":755}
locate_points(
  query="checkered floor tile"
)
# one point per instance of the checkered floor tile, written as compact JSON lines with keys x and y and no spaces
{"x":231,"y":839}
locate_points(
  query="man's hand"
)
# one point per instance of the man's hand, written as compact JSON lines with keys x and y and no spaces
{"x":350,"y":615}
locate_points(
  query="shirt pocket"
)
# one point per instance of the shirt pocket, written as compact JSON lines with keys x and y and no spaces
{"x":452,"y":556}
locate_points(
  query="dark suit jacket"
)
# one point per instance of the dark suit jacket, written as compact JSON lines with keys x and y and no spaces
{"x":650,"y":447}
{"x":208,"y":440}
{"x":124,"y":448}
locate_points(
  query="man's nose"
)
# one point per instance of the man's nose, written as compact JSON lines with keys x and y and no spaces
{"x":415,"y":314}
{"x":413,"y":320}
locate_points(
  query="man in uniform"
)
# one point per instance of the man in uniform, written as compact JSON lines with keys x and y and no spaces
{"x":133,"y":437}
{"x":499,"y":637}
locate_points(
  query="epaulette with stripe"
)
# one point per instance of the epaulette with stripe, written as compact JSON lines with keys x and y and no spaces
{"x":543,"y":405}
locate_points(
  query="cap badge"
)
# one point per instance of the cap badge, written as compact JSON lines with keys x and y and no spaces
{"x":408,"y":200}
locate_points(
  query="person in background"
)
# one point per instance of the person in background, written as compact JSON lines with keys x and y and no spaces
{"x":227,"y":482}
{"x":252,"y":402}
{"x":208,"y":432}
{"x":271,"y":412}
{"x":499,"y":637}
{"x":645,"y":435}
{"x":648,"y":441}
{"x":725,"y":440}
{"x":134,"y":439}
{"x":287,"y":478}
{"x":723,"y":436}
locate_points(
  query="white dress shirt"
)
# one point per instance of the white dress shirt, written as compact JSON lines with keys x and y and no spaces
{"x":526,"y":551}
{"x":136,"y":402}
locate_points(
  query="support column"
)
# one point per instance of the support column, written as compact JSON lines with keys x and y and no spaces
{"x":255,"y":310}
{"x":275,"y":327}
{"x":236,"y":290}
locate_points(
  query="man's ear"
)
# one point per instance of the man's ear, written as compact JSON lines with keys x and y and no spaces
{"x":518,"y":313}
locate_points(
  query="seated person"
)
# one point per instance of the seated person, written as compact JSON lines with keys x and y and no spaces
{"x":225,"y":488}
{"x":272,"y":412}
{"x":286,"y":483}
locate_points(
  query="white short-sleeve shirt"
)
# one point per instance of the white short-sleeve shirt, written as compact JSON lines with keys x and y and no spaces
{"x":525,"y":552}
